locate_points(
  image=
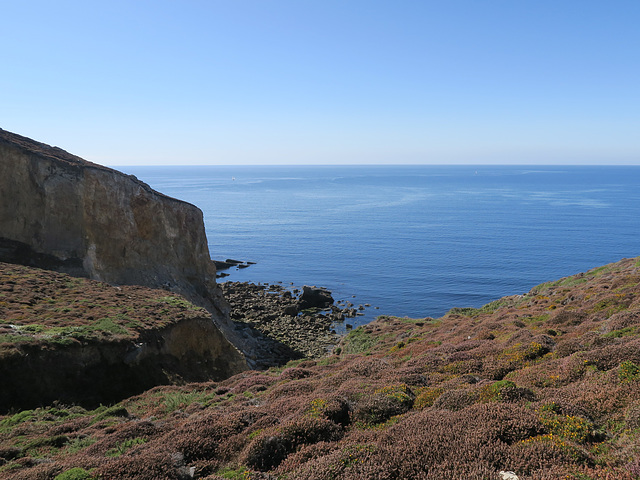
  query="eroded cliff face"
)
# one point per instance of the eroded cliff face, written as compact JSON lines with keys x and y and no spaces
{"x":99,"y":222}
{"x":95,"y":373}
{"x":61,"y":212}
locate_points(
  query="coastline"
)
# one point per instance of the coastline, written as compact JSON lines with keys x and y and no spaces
{"x":297,"y":327}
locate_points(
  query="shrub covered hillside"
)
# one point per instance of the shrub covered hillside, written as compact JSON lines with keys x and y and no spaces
{"x":545,"y":384}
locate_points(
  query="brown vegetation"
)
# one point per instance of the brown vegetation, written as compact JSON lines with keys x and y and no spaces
{"x":546,"y":384}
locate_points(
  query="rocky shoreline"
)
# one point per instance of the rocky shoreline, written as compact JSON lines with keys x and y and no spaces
{"x":301,"y":320}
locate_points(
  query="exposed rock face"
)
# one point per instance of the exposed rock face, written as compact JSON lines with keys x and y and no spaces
{"x":61,"y":212}
{"x":192,"y":350}
{"x":97,"y":221}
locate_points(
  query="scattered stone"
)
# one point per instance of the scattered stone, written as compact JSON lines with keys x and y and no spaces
{"x":507,"y":475}
{"x":275,"y":312}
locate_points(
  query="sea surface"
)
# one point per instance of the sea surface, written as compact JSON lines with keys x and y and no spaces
{"x":411,"y":240}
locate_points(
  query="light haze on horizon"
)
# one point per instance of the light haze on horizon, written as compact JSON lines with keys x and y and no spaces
{"x":326,"y":82}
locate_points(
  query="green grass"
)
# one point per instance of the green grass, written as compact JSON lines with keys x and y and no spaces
{"x":571,"y":281}
{"x":8,"y":338}
{"x":122,"y":447}
{"x":238,"y":473}
{"x":623,"y":332}
{"x":473,"y":312}
{"x":178,"y":302}
{"x":20,"y":417}
{"x":596,"y":272}
{"x":108,"y":325}
{"x":33,"y":328}
{"x":76,"y":473}
{"x":65,"y":335}
{"x":534,"y":320}
{"x":359,"y":341}
{"x":102,"y":412}
{"x":77,"y":444}
{"x":179,"y":400}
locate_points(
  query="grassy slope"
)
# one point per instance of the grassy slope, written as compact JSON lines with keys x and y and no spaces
{"x":545,"y":384}
{"x":48,"y":309}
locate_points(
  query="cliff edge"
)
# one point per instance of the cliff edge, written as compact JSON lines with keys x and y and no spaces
{"x":63,"y":213}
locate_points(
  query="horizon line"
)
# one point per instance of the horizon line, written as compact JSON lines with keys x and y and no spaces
{"x":375,"y":165}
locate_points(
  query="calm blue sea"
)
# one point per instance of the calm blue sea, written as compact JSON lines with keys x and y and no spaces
{"x":412,"y":240}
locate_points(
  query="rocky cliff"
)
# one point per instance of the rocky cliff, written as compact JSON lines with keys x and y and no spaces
{"x":77,"y":340}
{"x":63,"y":213}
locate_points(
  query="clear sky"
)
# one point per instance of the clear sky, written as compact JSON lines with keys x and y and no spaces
{"x":125,"y":82}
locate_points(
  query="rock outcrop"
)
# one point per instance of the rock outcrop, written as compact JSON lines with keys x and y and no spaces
{"x":103,"y":372}
{"x":60,"y":212}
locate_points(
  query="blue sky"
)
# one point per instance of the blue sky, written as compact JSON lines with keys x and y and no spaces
{"x":326,"y":81}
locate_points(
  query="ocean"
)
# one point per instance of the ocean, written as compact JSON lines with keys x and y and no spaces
{"x":411,"y":240}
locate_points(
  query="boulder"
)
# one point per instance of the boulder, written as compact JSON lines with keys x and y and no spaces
{"x":315,"y":297}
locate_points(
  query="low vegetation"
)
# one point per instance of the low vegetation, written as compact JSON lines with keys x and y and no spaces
{"x":39,"y":308}
{"x":545,"y":384}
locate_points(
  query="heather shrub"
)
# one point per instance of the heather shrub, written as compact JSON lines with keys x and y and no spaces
{"x":491,"y":392}
{"x":385,"y":403}
{"x":567,"y":347}
{"x":28,"y":469}
{"x":569,"y":427}
{"x":120,"y":438}
{"x":632,"y":416}
{"x":364,"y":367}
{"x":459,"y":366}
{"x":207,"y":437}
{"x":516,"y":394}
{"x":335,"y":409}
{"x":566,"y":317}
{"x":633,"y":468}
{"x":305,"y":454}
{"x":295,"y":373}
{"x":628,"y":371}
{"x":150,"y":466}
{"x":427,"y":397}
{"x":613,"y":355}
{"x":543,"y":451}
{"x":269,"y":449}
{"x":623,"y":320}
{"x":455,"y":400}
{"x":250,"y":381}
{"x":293,"y":388}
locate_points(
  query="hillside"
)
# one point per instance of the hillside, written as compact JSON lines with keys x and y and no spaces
{"x":545,"y":384}
{"x":70,"y":339}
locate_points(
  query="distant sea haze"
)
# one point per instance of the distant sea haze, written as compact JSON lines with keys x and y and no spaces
{"x":411,"y":240}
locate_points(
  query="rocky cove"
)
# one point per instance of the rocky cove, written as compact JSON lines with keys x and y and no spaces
{"x":302,"y":320}
{"x":104,"y":233}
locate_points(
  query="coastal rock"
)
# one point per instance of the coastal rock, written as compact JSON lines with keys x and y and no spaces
{"x":314,"y":297}
{"x":60,"y":212}
{"x":275,"y":313}
{"x":97,"y":222}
